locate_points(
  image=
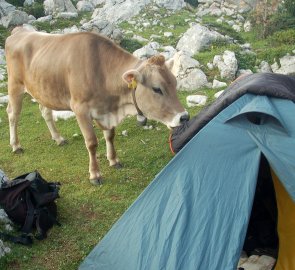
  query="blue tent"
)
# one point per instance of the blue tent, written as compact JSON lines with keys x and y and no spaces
{"x":195,"y":213}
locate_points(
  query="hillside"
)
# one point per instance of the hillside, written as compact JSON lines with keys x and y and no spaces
{"x":212,"y":43}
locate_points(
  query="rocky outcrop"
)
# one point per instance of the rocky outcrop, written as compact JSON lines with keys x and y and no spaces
{"x":286,"y":66}
{"x":15,"y":18}
{"x":54,"y":7}
{"x":187,"y":72}
{"x":197,"y":38}
{"x":227,"y":65}
{"x":5,"y":8}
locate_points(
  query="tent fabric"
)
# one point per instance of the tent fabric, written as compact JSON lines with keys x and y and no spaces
{"x":269,"y":84}
{"x":194,"y":214}
{"x":286,"y":225}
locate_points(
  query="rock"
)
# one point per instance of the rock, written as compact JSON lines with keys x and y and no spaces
{"x":5,"y":8}
{"x":182,"y":63}
{"x":147,"y":51}
{"x":15,"y":18}
{"x":196,"y":100}
{"x":29,"y":2}
{"x":125,"y":133}
{"x":117,"y":11}
{"x":53,"y":7}
{"x":103,"y":27}
{"x":67,"y":15}
{"x":197,"y":38}
{"x":227,"y":65}
{"x":247,"y":26}
{"x":244,"y":72}
{"x":168,"y":34}
{"x":237,"y":28}
{"x":187,"y":72}
{"x":4,"y":99}
{"x":264,"y":67}
{"x":287,"y":65}
{"x":168,"y":52}
{"x":139,"y":38}
{"x":45,"y":19}
{"x":85,"y":6}
{"x":73,"y":29}
{"x":218,"y":94}
{"x":218,"y":84}
{"x":194,"y":79}
{"x":64,"y":115}
{"x":3,"y":249}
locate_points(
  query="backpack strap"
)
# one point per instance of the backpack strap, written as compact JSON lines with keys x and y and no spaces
{"x":27,"y":227}
{"x":23,"y":239}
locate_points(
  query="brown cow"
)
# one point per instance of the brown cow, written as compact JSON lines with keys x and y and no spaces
{"x":90,"y":75}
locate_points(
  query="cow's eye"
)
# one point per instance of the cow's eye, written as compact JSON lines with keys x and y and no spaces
{"x":157,"y":90}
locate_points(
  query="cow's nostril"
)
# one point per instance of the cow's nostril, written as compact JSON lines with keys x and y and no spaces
{"x":184,"y":118}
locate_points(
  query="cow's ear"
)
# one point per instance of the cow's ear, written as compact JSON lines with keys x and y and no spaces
{"x":132,"y":75}
{"x":170,"y":63}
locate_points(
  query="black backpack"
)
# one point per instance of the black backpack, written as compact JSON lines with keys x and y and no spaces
{"x":29,"y":201}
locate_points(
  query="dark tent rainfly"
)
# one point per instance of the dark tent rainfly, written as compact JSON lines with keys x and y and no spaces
{"x":231,"y":187}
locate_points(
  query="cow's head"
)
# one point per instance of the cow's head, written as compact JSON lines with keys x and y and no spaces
{"x":156,"y":91}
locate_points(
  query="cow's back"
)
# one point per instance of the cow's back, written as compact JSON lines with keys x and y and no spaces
{"x":58,"y":68}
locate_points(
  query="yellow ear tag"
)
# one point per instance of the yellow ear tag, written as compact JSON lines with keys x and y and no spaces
{"x":133,"y":84}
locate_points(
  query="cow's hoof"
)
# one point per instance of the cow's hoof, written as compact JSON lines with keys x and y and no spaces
{"x":18,"y":151}
{"x":118,"y":166}
{"x":96,"y":182}
{"x":63,"y":142}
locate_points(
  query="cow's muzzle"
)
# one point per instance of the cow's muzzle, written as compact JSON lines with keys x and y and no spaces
{"x":178,"y":120}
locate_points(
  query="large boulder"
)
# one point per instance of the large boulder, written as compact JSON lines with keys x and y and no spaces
{"x":147,"y":51}
{"x":197,"y":38}
{"x":121,"y":10}
{"x":187,"y":72}
{"x":15,"y":18}
{"x":53,"y":7}
{"x":286,"y":67}
{"x":105,"y":28}
{"x":5,"y":8}
{"x":85,"y":6}
{"x":227,"y":65}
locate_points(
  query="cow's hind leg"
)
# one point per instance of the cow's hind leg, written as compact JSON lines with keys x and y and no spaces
{"x":16,"y":92}
{"x":47,"y":115}
{"x":91,"y":142}
{"x":109,"y":136}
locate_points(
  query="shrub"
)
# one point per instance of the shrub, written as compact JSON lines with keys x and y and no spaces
{"x":17,"y":3}
{"x":246,"y":60}
{"x":290,"y":6}
{"x":193,"y":3}
{"x":130,"y":45}
{"x":37,"y":10}
{"x":285,"y":37}
{"x":279,"y":21}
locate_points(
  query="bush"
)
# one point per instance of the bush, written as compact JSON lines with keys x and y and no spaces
{"x":17,"y":3}
{"x":37,"y":10}
{"x":246,"y":60}
{"x":193,"y":3}
{"x":285,"y":37}
{"x":130,"y":45}
{"x":290,"y":6}
{"x":278,"y":22}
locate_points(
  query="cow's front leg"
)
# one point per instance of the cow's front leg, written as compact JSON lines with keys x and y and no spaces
{"x":47,"y":115}
{"x":109,"y":136}
{"x":85,"y":123}
{"x":14,"y":107}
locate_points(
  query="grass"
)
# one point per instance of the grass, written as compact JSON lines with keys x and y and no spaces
{"x":86,"y":212}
